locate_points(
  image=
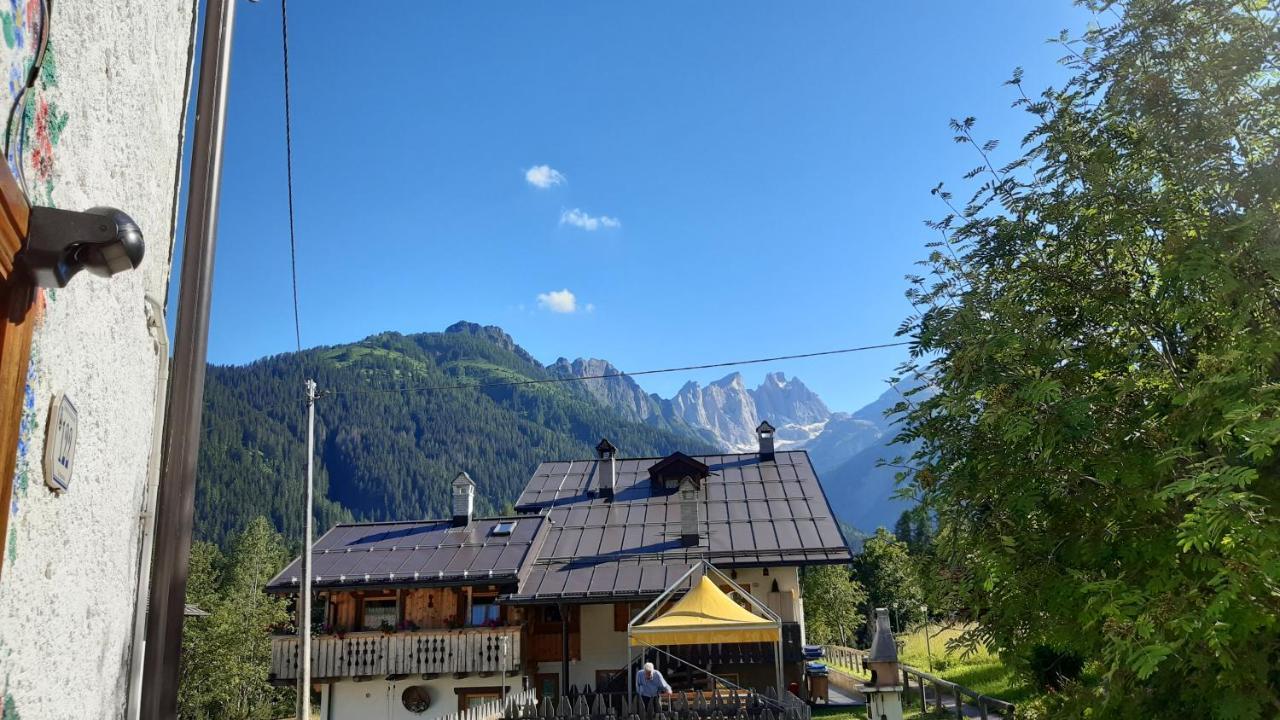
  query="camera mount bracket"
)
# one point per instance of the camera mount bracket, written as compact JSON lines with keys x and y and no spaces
{"x":61,"y":243}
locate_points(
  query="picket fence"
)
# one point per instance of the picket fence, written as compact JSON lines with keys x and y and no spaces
{"x":717,"y":705}
{"x":495,"y":709}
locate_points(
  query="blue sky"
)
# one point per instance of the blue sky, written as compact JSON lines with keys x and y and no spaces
{"x":731,"y":179}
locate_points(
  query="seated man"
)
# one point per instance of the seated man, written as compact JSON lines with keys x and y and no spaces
{"x":650,"y":683}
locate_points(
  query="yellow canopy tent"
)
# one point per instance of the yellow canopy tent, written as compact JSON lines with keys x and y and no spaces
{"x":706,"y":615}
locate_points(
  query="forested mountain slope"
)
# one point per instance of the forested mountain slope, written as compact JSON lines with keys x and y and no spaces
{"x":385,"y":453}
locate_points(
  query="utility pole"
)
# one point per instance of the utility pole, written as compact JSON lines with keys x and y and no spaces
{"x":304,"y":599}
{"x":175,"y":502}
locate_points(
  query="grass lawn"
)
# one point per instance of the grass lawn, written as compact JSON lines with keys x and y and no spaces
{"x":980,"y":671}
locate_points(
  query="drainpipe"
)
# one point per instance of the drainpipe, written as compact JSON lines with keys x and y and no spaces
{"x":147,"y":518}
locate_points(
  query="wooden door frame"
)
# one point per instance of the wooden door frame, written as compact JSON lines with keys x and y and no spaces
{"x":17,"y":298}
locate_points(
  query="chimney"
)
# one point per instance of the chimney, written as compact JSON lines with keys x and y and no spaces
{"x":606,"y":469}
{"x":464,"y":499}
{"x":765,"y":433}
{"x":690,"y":511}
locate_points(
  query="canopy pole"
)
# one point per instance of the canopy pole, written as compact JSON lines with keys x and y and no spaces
{"x":777,"y":662}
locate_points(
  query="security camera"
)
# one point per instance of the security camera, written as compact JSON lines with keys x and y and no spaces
{"x":61,"y":243}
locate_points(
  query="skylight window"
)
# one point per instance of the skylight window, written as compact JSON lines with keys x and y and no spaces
{"x":504,"y":528}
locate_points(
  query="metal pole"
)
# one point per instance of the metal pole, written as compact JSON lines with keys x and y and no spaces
{"x":502,"y":660}
{"x":181,"y":442}
{"x":564,"y":650}
{"x":304,"y":599}
{"x":777,"y":656}
{"x":927,"y":649}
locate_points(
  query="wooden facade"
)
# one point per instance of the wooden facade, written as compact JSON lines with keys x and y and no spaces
{"x":416,"y":608}
{"x":18,"y":303}
{"x":546,"y":642}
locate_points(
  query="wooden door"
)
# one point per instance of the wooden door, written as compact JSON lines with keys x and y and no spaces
{"x":17,"y":300}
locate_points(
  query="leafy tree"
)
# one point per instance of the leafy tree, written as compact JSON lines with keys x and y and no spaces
{"x":889,"y":574}
{"x":915,"y":528}
{"x":833,"y":603}
{"x":1102,"y":327}
{"x":227,"y":655}
{"x":199,"y":681}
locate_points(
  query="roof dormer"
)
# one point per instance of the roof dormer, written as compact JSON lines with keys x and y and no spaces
{"x":667,"y":473}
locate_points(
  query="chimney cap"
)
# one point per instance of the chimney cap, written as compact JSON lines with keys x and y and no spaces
{"x":605,"y":447}
{"x":463,"y":480}
{"x":764,"y":427}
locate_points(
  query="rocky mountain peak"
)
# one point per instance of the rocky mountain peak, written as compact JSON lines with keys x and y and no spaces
{"x":493,"y":334}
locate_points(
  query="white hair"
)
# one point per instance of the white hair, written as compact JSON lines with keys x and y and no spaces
{"x":648,"y":667}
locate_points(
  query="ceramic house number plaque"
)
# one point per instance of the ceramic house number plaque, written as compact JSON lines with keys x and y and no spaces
{"x":60,"y":443}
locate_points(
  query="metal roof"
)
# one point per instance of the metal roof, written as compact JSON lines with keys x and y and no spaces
{"x":754,"y":513}
{"x":428,"y":552}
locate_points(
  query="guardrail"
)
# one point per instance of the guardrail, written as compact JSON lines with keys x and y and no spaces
{"x":468,"y":650}
{"x":838,"y":656}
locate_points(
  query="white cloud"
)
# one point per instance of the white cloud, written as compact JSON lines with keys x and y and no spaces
{"x":543,"y":176}
{"x":591,"y":307}
{"x":590,"y":223}
{"x":558,"y":301}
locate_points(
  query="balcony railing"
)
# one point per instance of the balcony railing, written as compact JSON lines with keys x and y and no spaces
{"x":469,"y":650}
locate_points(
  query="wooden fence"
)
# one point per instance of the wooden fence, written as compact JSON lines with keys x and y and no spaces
{"x":839,"y":657}
{"x":742,"y":705}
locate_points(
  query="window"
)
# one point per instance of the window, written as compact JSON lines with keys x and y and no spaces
{"x":611,"y":680}
{"x":469,"y":700}
{"x":503,"y":528}
{"x":485,"y":612}
{"x":548,"y":686}
{"x":379,"y":613}
{"x":472,"y":696}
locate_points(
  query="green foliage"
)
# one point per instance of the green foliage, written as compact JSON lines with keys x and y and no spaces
{"x":226,"y":656}
{"x":889,"y":574}
{"x":1101,"y":323}
{"x":383,"y":453}
{"x":833,"y":603}
{"x":915,"y":529}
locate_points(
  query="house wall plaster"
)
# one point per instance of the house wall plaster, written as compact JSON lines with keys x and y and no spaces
{"x":102,"y":127}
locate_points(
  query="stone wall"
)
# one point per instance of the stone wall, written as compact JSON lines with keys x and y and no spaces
{"x":101,"y":127}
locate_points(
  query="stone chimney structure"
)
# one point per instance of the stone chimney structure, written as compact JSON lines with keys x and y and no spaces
{"x":464,"y":500}
{"x":884,"y":691}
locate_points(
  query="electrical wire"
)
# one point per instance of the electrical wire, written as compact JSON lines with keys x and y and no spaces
{"x":288,"y":149}
{"x":33,"y":74}
{"x":606,"y":376}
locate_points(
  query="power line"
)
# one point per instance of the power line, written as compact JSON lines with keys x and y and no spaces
{"x":288,"y":149}
{"x":605,"y":376}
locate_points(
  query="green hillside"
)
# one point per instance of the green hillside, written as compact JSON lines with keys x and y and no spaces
{"x":386,"y":454}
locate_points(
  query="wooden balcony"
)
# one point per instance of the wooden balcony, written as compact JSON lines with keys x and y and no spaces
{"x":426,"y":652}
